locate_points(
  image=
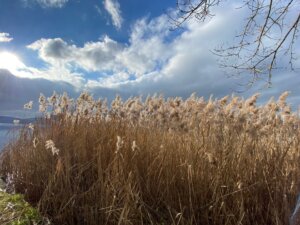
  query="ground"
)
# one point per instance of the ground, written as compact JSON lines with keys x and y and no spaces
{"x":14,"y":210}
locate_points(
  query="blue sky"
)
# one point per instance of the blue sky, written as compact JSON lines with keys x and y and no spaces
{"x":74,"y":21}
{"x":112,"y":46}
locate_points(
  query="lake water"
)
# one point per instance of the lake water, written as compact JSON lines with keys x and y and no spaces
{"x":7,"y":133}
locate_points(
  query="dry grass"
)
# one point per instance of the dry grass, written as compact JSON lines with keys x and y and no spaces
{"x":160,"y":161}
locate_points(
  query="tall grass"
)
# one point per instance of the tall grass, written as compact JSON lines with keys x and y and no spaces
{"x":159,"y":161}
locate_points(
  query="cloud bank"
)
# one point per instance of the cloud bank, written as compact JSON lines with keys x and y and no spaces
{"x":153,"y":55}
{"x":154,"y":60}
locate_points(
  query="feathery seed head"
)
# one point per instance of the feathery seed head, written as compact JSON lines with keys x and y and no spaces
{"x":50,"y":145}
{"x":119,"y":143}
{"x":28,"y":105}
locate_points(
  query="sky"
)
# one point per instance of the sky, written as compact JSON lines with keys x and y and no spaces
{"x":125,"y":47}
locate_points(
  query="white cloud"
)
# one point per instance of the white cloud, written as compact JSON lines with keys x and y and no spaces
{"x":98,"y":9}
{"x":154,"y":60}
{"x":93,"y":56}
{"x":109,"y":81}
{"x":53,"y":3}
{"x":48,"y":3}
{"x":54,"y":73}
{"x":113,"y":8}
{"x":146,"y":51}
{"x":53,"y":50}
{"x":5,"y":37}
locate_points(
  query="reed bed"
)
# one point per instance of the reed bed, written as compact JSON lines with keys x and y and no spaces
{"x":158,"y":161}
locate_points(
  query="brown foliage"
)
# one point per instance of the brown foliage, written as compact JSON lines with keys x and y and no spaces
{"x":161,"y":162}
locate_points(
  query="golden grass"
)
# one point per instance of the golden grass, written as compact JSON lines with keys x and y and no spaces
{"x":161,"y":161}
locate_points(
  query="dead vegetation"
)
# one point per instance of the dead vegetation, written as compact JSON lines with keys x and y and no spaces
{"x":174,"y":161}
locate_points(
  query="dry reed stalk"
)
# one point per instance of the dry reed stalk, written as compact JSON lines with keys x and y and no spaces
{"x":160,"y":161}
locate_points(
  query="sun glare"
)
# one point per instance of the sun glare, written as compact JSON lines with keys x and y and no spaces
{"x":10,"y":61}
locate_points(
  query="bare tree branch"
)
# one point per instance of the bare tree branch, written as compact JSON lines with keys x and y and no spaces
{"x":269,"y":34}
{"x":186,"y":9}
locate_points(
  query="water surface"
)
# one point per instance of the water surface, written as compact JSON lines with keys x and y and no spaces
{"x":8,"y":132}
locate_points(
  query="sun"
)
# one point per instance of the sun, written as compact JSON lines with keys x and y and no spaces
{"x":10,"y":61}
